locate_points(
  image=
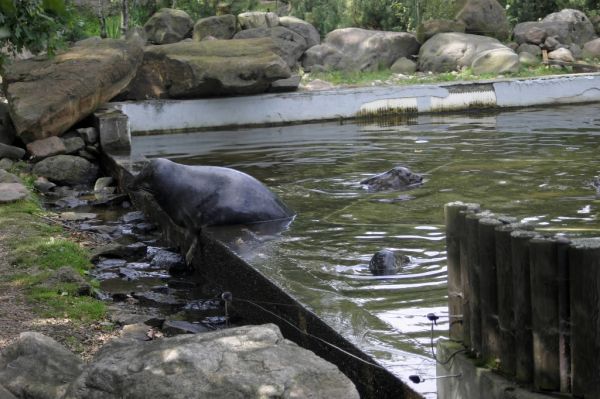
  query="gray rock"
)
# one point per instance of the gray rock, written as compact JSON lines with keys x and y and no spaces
{"x":155,"y":299}
{"x":591,"y":49}
{"x":529,"y":48}
{"x":218,"y":365}
{"x":11,"y":152}
{"x":176,"y":327}
{"x":208,"y":68}
{"x":535,"y":35}
{"x":354,"y":49}
{"x":303,"y":28}
{"x":484,"y":17}
{"x":11,"y":192}
{"x":36,"y":366}
{"x":574,"y":26}
{"x":6,"y":163}
{"x":48,"y":147}
{"x":404,"y":66}
{"x":285,"y":85}
{"x":87,"y":155}
{"x":529,"y":59}
{"x":167,"y":260}
{"x":6,"y":394}
{"x":133,"y":217}
{"x":318,"y":84}
{"x":88,"y":134}
{"x":73,"y":145}
{"x":67,"y":274}
{"x":428,"y":29}
{"x":67,"y":170}
{"x":258,"y":19}
{"x":452,"y":51}
{"x":137,"y":332}
{"x":7,"y":177}
{"x":103,"y":183}
{"x":43,"y":185}
{"x":561,"y":54}
{"x":567,"y":26}
{"x":218,"y":27}
{"x":289,"y":45}
{"x":77,"y":216}
{"x":129,"y":252}
{"x":576,"y":51}
{"x":74,"y":83}
{"x":168,"y":26}
{"x":551,"y":43}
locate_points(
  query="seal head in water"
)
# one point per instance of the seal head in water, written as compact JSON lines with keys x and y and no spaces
{"x":397,"y":178}
{"x":198,"y":196}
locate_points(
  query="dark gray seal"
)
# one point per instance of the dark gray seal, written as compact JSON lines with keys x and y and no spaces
{"x":396,"y":178}
{"x":384,"y":263}
{"x":199,"y":196}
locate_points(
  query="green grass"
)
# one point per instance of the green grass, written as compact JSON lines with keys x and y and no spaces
{"x":37,"y":248}
{"x":383,"y":75}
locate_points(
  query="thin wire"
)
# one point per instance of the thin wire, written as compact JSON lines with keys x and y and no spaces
{"x":310,"y":335}
{"x":445,"y":362}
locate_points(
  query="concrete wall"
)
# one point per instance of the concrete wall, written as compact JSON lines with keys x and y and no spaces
{"x":473,"y":382}
{"x":298,"y":107}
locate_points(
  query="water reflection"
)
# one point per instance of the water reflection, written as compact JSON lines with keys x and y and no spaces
{"x":535,"y":164}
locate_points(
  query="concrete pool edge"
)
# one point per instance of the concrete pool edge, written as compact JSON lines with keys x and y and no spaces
{"x":364,"y":102}
{"x":213,"y":261}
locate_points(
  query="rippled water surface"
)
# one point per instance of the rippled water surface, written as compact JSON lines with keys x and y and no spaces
{"x":535,"y":164}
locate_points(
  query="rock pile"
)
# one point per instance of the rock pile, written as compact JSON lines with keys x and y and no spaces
{"x":221,"y":364}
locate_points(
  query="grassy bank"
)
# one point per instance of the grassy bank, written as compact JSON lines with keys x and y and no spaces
{"x":43,"y":281}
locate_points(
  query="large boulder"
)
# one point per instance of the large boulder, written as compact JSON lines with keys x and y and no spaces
{"x":47,"y":96}
{"x":485,"y":17}
{"x":258,"y":19}
{"x":244,"y":362}
{"x":567,"y":27}
{"x":303,"y":28}
{"x":591,"y":49}
{"x":355,"y":49}
{"x":208,"y":68}
{"x":67,"y":170}
{"x":289,"y":45}
{"x":452,"y":51}
{"x":168,"y":26}
{"x":36,"y":366}
{"x":219,"y":27}
{"x":432,"y":27}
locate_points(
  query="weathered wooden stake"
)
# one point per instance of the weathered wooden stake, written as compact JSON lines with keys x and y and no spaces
{"x":584,"y":265}
{"x":464,"y":274}
{"x":545,"y":322}
{"x":506,"y":316}
{"x":473,"y":272}
{"x":454,"y":219}
{"x":519,"y":249}
{"x":488,"y":289}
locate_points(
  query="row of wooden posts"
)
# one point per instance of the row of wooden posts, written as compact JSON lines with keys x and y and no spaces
{"x":527,"y":303}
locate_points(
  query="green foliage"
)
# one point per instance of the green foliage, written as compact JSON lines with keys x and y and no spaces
{"x":32,"y":24}
{"x":325,"y":15}
{"x":205,"y":8}
{"x":521,"y":11}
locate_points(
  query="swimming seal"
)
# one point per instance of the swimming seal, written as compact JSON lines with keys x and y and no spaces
{"x":198,"y":196}
{"x":396,"y":178}
{"x":384,"y":263}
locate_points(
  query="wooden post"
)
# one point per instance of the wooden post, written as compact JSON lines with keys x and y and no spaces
{"x":464,"y":274}
{"x":545,"y":262}
{"x":584,"y":264}
{"x":453,"y":216}
{"x":506,"y":316}
{"x":474,"y":272}
{"x":519,"y":249}
{"x":488,"y":294}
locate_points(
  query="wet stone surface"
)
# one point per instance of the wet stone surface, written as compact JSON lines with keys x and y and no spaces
{"x":146,"y":284}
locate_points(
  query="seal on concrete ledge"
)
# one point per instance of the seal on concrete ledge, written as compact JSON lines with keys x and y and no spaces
{"x":396,"y":178}
{"x":199,"y":196}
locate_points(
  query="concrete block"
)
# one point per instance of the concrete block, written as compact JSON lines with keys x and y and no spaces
{"x":114,"y":131}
